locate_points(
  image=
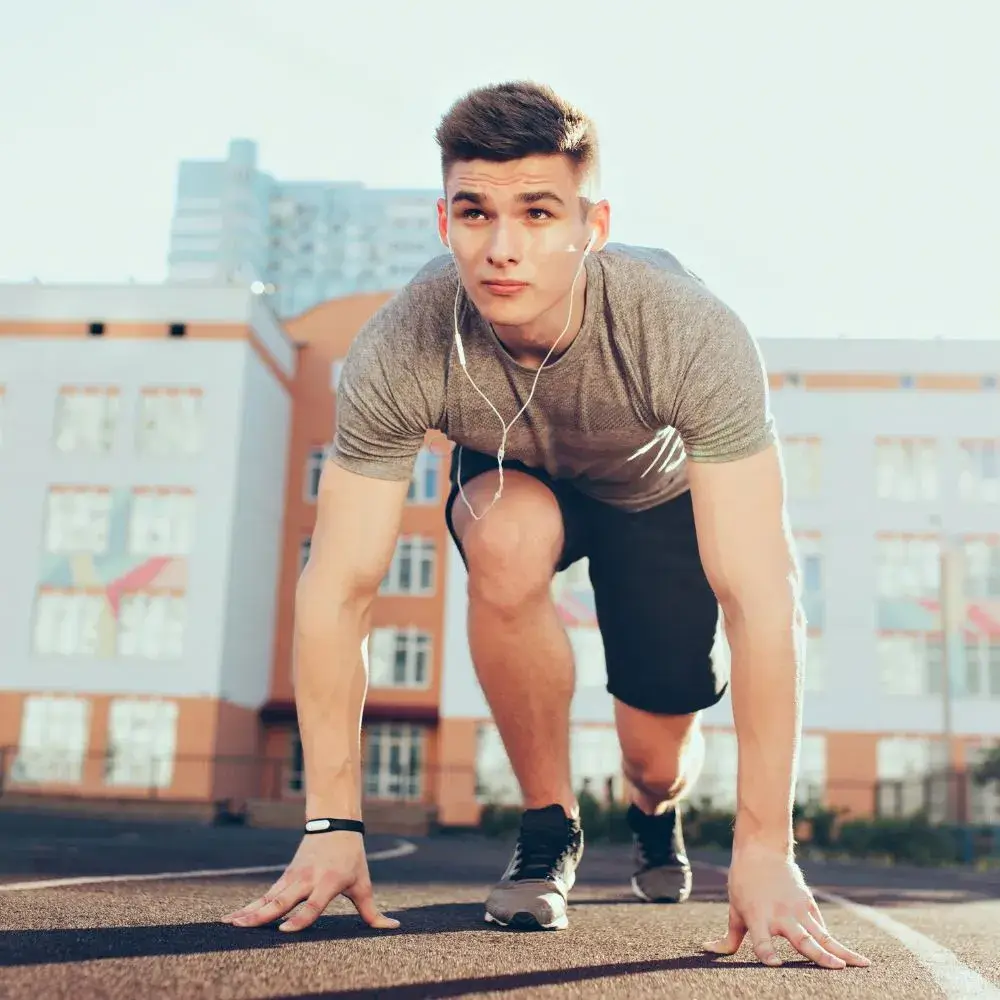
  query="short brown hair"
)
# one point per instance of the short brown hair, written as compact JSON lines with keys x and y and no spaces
{"x":508,"y":121}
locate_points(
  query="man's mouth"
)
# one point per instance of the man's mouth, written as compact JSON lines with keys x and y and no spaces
{"x":505,"y":287}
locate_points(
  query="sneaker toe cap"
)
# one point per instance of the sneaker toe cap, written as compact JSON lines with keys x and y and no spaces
{"x":544,"y":903}
{"x":668,"y":884}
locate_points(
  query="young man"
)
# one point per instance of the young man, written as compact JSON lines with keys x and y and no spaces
{"x":604,"y":405}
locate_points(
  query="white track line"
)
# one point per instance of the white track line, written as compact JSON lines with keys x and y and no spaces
{"x":401,"y":850}
{"x":950,"y":973}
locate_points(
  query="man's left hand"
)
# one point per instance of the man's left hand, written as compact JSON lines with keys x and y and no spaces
{"x":768,"y":897}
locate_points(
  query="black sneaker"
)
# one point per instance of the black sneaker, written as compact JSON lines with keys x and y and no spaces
{"x":663,"y":874}
{"x":531,"y":894}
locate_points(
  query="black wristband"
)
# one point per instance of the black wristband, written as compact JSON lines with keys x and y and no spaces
{"x":329,"y":825}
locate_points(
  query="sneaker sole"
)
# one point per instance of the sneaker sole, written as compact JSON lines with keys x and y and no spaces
{"x":679,"y":896}
{"x":525,"y":921}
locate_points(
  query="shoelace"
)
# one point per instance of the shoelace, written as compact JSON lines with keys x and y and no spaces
{"x":540,"y":853}
{"x":655,"y":846}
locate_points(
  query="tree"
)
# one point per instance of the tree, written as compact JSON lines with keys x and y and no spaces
{"x":989,"y":769}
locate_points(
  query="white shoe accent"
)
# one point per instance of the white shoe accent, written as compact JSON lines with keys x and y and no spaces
{"x":638,"y":892}
{"x":559,"y":924}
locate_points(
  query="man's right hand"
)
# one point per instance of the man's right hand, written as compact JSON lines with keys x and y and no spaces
{"x":325,"y":866}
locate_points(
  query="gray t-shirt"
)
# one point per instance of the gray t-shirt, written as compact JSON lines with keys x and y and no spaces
{"x":661,"y":373}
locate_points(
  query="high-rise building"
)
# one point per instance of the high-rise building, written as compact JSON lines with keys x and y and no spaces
{"x":160,"y":449}
{"x":305,"y":241}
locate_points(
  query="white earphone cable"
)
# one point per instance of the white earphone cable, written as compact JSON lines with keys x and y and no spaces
{"x":505,"y":426}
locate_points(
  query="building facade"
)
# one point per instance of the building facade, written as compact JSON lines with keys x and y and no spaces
{"x":305,"y":241}
{"x":165,"y":444}
{"x":144,"y":457}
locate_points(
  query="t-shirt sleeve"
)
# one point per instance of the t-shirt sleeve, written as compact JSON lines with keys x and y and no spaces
{"x":389,"y":395}
{"x":715,"y":388}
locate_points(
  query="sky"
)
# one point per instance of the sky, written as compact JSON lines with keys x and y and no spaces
{"x":828,"y":169}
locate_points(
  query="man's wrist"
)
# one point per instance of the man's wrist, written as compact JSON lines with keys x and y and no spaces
{"x":776,"y":837}
{"x":321,"y":808}
{"x":342,"y":802}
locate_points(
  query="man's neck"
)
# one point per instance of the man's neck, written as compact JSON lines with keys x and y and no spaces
{"x":529,"y":345}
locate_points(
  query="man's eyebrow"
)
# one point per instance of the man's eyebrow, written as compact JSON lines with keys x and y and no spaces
{"x":530,"y":197}
{"x":526,"y":197}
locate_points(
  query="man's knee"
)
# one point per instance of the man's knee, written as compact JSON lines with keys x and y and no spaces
{"x":511,"y":552}
{"x":658,"y":779}
{"x":661,"y":759}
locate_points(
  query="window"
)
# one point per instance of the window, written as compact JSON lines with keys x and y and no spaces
{"x":810,"y":559}
{"x":595,"y":759}
{"x":314,"y":469}
{"x":170,"y":422}
{"x":810,"y":562}
{"x":412,"y":568}
{"x":55,"y":732}
{"x":71,"y":622}
{"x":979,"y":478}
{"x":908,"y":756}
{"x":903,"y":765}
{"x":908,"y":566}
{"x":910,"y":664}
{"x":86,"y":418}
{"x":424,"y":484}
{"x":815,"y":672}
{"x":305,"y":547}
{"x":981,"y":558}
{"x":717,"y":784}
{"x":151,"y":626}
{"x":981,"y":667}
{"x":810,"y":781}
{"x":162,"y":521}
{"x":399,"y":658}
{"x":906,"y":469}
{"x":984,"y":800}
{"x":295,"y":776}
{"x":394,"y":754}
{"x":77,"y":520}
{"x":142,"y":737}
{"x":803,"y":467}
{"x":495,"y":779}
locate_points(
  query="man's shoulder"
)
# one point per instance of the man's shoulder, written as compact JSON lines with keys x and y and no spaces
{"x":652,"y":283}
{"x":643,"y":263}
{"x":418,"y":314}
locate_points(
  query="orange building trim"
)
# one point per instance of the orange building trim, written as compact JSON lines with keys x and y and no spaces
{"x":876,"y":382}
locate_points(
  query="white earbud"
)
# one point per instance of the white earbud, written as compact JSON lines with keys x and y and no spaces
{"x":447,"y":241}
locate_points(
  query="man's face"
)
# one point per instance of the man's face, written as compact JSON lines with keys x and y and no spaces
{"x":518,"y":232}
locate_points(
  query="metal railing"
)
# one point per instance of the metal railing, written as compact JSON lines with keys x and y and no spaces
{"x":944,"y":797}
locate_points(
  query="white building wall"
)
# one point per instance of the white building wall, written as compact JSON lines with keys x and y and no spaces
{"x":257,"y":502}
{"x":238,"y":480}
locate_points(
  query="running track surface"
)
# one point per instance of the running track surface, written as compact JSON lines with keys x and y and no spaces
{"x":83,"y":929}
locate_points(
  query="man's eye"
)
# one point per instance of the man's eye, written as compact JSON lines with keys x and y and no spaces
{"x":470,"y":212}
{"x":545,"y":214}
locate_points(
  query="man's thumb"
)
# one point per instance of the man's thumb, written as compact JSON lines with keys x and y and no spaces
{"x":730,"y":944}
{"x":370,"y":913}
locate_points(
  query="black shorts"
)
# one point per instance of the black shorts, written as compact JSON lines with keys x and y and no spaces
{"x":657,"y":614}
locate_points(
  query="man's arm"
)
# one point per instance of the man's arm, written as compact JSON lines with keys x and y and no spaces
{"x":719,"y":404}
{"x":748,"y":557}
{"x":712,"y":386}
{"x":357,"y":524}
